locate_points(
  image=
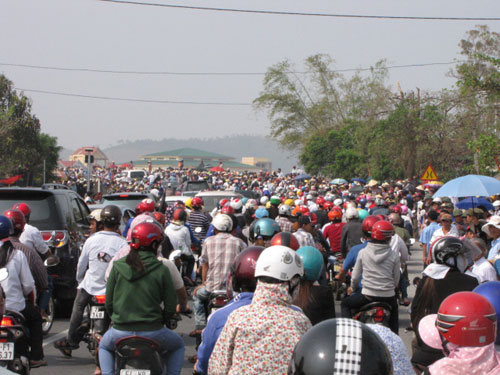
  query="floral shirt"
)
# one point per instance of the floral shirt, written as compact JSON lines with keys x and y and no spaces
{"x":259,"y":338}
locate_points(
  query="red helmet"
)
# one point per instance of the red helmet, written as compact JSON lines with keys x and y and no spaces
{"x":368,"y":224}
{"x":467,"y":319}
{"x":180,"y":214}
{"x":382,"y":217}
{"x":382,"y":230}
{"x":24,"y":208}
{"x":197,"y":202}
{"x":328,"y":205}
{"x":335,"y":213}
{"x":146,"y":205}
{"x":314,"y":218}
{"x":159,"y":217}
{"x":395,"y":209}
{"x":17,"y":218}
{"x":285,"y":239}
{"x":227,"y":209}
{"x":243,"y":269}
{"x":320,"y":201}
{"x":144,"y":234}
{"x":304,"y":210}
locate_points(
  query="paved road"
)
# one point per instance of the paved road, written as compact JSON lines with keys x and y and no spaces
{"x":82,"y":364}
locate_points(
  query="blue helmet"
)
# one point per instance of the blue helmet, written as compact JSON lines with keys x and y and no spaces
{"x":266,"y":227}
{"x":491,"y":290}
{"x":6,"y":227}
{"x":313,"y":262}
{"x":261,"y":212}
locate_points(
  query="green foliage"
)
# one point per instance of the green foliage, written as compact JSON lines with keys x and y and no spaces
{"x":487,"y":146}
{"x":23,"y":146}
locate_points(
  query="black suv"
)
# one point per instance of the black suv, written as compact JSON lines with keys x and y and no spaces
{"x":56,"y":209}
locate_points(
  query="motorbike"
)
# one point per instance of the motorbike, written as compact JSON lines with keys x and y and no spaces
{"x":136,"y":355}
{"x":374,"y":313}
{"x":217,"y":300}
{"x":95,"y":326}
{"x":339,"y":287}
{"x":14,"y":339}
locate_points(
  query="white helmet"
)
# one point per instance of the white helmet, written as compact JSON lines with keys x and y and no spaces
{"x":236,"y":203}
{"x":279,"y":262}
{"x":379,"y":201}
{"x":309,"y":197}
{"x":351,"y":213}
{"x":496,"y":204}
{"x":338,"y":202}
{"x":222,"y":223}
{"x":285,"y":209}
{"x":251,"y":203}
{"x":264,"y":200}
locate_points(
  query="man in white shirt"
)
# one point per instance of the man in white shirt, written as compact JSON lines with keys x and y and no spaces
{"x":446,"y":228}
{"x":31,"y":236}
{"x":483,"y":269}
{"x":18,"y":285}
{"x":97,"y":252}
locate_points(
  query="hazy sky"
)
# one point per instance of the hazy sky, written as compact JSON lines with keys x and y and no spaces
{"x":99,"y":35}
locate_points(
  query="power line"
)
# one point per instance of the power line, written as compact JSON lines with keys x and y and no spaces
{"x":286,"y":13}
{"x":94,"y":70}
{"x":132,"y":99}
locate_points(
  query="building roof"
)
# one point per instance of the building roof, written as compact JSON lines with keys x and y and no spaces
{"x":190,"y":153}
{"x":96,"y":151}
{"x":193,"y":164}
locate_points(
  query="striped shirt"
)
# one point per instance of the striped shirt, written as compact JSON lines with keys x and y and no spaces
{"x":285,"y":224}
{"x":219,"y":252}
{"x":304,"y":238}
{"x":198,"y":219}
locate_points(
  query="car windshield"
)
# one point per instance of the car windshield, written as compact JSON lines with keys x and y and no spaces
{"x":44,"y":214}
{"x":196,"y":185}
{"x":130,"y":201}
{"x":210,"y":201}
{"x":137,"y":174}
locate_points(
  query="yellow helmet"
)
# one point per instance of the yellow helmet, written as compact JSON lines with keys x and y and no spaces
{"x":289,"y":202}
{"x":188,"y":203}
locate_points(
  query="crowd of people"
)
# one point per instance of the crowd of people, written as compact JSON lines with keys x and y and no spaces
{"x":272,"y":251}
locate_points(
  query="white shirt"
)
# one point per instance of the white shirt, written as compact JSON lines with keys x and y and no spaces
{"x":484,"y":270}
{"x":19,"y":283}
{"x":179,"y":238}
{"x":439,"y":233}
{"x":399,"y":246}
{"x":32,"y":237}
{"x":97,"y":252}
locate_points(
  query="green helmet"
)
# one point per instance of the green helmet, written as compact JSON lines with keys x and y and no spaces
{"x":312,"y":260}
{"x":275,"y":200}
{"x":363,"y":214}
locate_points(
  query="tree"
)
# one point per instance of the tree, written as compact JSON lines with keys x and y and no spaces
{"x":23,"y":146}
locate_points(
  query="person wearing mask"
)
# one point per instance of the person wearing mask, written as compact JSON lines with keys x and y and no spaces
{"x":379,"y":266}
{"x":140,"y":277}
{"x":259,"y":338}
{"x":351,"y":231}
{"x":19,"y":288}
{"x":243,"y":284}
{"x":316,"y":301}
{"x":445,"y":275}
{"x":464,"y":329}
{"x":97,"y":252}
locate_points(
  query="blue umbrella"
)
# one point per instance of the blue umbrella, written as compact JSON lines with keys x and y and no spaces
{"x":473,"y":202}
{"x":302,"y":176}
{"x":358,"y":179}
{"x":469,"y":186}
{"x":338,"y":181}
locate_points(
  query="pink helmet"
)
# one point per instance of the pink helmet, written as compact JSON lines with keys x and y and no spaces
{"x":404,"y":210}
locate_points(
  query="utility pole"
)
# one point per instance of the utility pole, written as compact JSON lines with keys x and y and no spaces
{"x":89,"y":163}
{"x":44,"y":171}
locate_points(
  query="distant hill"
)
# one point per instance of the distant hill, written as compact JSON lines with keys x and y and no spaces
{"x":236,"y":146}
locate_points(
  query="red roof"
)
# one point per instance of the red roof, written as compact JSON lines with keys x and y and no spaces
{"x":66,"y":163}
{"x":98,"y":154}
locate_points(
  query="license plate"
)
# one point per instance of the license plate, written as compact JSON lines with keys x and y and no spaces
{"x":96,"y":313}
{"x":337,"y":268}
{"x":6,"y":351}
{"x":135,"y":372}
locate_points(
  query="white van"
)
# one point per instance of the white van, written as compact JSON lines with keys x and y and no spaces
{"x":131,"y":174}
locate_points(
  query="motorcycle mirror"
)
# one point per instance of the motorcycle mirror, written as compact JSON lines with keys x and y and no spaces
{"x":3,"y":274}
{"x":51,"y":261}
{"x":412,"y":241}
{"x":197,"y":230}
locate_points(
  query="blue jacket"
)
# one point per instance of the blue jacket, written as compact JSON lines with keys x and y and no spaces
{"x":214,"y":327}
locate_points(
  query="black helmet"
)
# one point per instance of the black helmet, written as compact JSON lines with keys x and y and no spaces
{"x":111,"y":215}
{"x":340,"y":346}
{"x":446,"y":250}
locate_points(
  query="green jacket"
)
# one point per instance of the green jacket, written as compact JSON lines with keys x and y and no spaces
{"x":140,"y":301}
